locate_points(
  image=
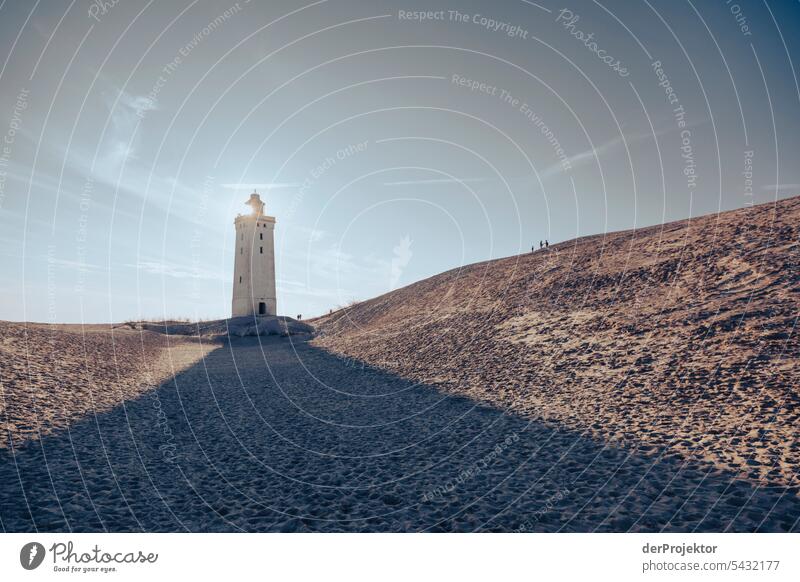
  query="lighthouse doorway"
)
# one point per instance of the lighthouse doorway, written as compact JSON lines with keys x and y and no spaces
{"x":262,"y":308}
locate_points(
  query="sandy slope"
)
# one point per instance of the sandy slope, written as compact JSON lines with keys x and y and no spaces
{"x":675,"y":338}
{"x":53,"y":376}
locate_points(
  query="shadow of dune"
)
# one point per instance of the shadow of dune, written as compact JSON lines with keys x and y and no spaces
{"x":275,"y":435}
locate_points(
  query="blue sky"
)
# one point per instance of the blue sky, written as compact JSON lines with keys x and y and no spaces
{"x":389,"y":147}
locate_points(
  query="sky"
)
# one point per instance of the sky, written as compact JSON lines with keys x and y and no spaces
{"x":391,"y":141}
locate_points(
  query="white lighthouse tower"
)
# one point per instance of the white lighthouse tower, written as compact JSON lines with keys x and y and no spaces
{"x":254,"y":267}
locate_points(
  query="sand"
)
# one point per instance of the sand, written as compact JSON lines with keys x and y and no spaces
{"x":52,"y":376}
{"x":680,"y":338}
{"x":271,"y":434}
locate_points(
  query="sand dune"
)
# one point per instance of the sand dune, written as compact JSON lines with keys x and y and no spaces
{"x":53,"y":376}
{"x":641,"y":381}
{"x":675,"y":338}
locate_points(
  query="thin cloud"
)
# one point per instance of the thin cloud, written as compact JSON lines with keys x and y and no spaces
{"x":299,"y":288}
{"x":586,"y":156}
{"x":261,"y":186}
{"x":73,"y":265}
{"x":575,"y":160}
{"x":122,"y":139}
{"x":140,"y":104}
{"x":771,"y":187}
{"x":436,"y":181}
{"x":176,"y":271}
{"x":589,"y":155}
{"x":300,"y":233}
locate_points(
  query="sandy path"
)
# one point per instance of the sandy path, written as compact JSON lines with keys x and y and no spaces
{"x":286,"y":437}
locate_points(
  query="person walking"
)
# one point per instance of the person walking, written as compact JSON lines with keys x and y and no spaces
{"x":546,"y":244}
{"x":541,"y":244}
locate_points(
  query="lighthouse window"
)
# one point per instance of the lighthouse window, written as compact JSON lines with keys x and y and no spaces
{"x":261,"y":250}
{"x":240,"y":278}
{"x":261,"y":235}
{"x":241,"y":250}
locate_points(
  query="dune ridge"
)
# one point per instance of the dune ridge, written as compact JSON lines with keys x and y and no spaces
{"x":678,"y":337}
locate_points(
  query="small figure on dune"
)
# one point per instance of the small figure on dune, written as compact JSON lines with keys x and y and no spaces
{"x":541,"y":244}
{"x":546,"y":244}
{"x":299,"y":316}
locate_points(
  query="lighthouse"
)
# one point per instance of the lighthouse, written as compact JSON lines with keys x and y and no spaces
{"x":254,"y":266}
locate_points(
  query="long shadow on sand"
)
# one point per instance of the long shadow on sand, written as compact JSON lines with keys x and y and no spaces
{"x":283,"y":436}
